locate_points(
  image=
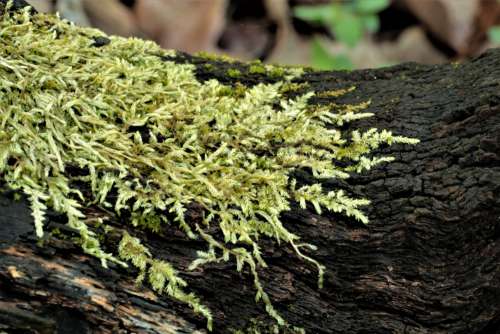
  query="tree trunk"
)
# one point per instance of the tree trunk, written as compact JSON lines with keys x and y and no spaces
{"x":428,"y":261}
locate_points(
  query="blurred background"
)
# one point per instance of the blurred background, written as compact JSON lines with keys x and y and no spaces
{"x":325,"y":34}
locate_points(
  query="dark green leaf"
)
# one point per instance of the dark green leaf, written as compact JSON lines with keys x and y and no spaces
{"x":370,"y":6}
{"x":323,"y":60}
{"x":342,"y":62}
{"x":371,"y":23}
{"x":494,"y":34}
{"x":321,"y":13}
{"x":347,"y":28}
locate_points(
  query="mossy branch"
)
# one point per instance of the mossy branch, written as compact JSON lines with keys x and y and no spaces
{"x":66,"y":103}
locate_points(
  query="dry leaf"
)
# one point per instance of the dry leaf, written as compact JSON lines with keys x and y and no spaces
{"x":187,"y":25}
{"x":246,"y":39}
{"x":289,"y":48}
{"x":452,"y":21}
{"x":411,"y":45}
{"x":111,"y":16}
{"x":73,"y":11}
{"x":43,"y":6}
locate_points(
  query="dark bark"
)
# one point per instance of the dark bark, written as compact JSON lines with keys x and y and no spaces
{"x":428,"y":262}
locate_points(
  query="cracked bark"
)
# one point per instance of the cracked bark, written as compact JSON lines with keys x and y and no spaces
{"x":428,"y":262}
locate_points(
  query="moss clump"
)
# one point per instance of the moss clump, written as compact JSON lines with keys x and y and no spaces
{"x":209,"y":67}
{"x":292,"y":87}
{"x":275,"y":72}
{"x":257,"y":69}
{"x":215,"y":57}
{"x":257,"y":327}
{"x":335,"y":93}
{"x":236,"y":91}
{"x":119,"y":128}
{"x":233,"y":73}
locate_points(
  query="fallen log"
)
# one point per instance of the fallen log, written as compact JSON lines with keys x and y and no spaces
{"x":427,"y":262}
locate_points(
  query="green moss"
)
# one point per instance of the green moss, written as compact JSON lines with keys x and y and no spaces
{"x":208,"y":67}
{"x":215,"y":57}
{"x":257,"y":69}
{"x":292,"y":87}
{"x":233,"y":73}
{"x":238,"y":91}
{"x":256,"y":326}
{"x":69,"y":140}
{"x":17,"y":197}
{"x":335,"y":93}
{"x":226,"y":91}
{"x":56,"y":232}
{"x":276,"y":72}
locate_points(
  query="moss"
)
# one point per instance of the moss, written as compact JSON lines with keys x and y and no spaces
{"x":276,"y":72}
{"x":233,"y":73}
{"x":226,"y":91}
{"x":257,"y":69}
{"x":257,"y":326}
{"x":293,"y":87}
{"x":118,"y":128}
{"x":215,"y":57}
{"x":17,"y":197}
{"x":56,"y":232}
{"x":287,"y":74}
{"x":238,"y":91}
{"x":208,"y":67}
{"x":335,"y":93}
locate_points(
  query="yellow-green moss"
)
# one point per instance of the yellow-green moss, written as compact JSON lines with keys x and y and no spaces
{"x":258,"y":327}
{"x":275,"y":72}
{"x":233,"y":73}
{"x":215,"y":57}
{"x":257,"y":69}
{"x":146,"y":138}
{"x":335,"y":93}
{"x":208,"y":67}
{"x":238,"y":91}
{"x":292,"y":87}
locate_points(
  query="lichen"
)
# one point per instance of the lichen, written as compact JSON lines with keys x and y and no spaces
{"x":116,"y":127}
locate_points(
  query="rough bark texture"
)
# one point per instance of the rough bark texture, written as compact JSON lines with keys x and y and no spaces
{"x":428,"y":262}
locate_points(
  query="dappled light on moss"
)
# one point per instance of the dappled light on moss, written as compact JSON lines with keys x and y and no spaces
{"x":115,"y":126}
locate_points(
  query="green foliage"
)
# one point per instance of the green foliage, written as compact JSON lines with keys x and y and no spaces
{"x":370,"y":7}
{"x":67,"y":106}
{"x":257,"y":69}
{"x":494,"y":34}
{"x":323,"y":60}
{"x":160,"y":274}
{"x":347,"y":21}
{"x":234,"y":73}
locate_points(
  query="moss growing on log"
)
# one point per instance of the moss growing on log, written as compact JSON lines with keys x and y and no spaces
{"x":234,"y":73}
{"x":113,"y":125}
